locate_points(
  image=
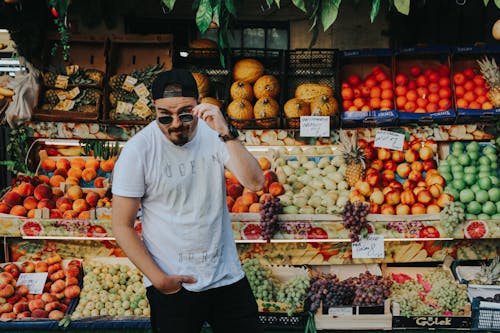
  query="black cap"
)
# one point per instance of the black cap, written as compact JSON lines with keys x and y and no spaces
{"x":184,"y":79}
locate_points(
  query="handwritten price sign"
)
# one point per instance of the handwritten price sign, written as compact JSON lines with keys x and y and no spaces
{"x":369,"y":247}
{"x":34,"y":281}
{"x":314,"y":126}
{"x":389,"y":140}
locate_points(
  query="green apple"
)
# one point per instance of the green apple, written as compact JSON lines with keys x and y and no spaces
{"x":444,"y":169}
{"x":461,"y":204}
{"x":470,"y":169}
{"x":482,"y":196}
{"x":498,"y":206}
{"x":495,"y":216}
{"x":484,"y":183}
{"x":451,"y":190}
{"x":474,"y":207}
{"x":489,"y":150}
{"x":444,"y":163}
{"x":470,"y":216}
{"x":473,"y":146}
{"x":483,"y":216}
{"x":459,"y":184}
{"x":466,"y":195}
{"x":494,"y":194}
{"x":475,"y":188}
{"x":470,"y":178}
{"x":489,"y":208}
{"x":484,"y":168}
{"x":457,"y":168}
{"x":452,"y":159}
{"x":493,"y":157}
{"x":457,"y":146}
{"x":447,"y":176}
{"x":474,"y":155}
{"x":464,"y":159}
{"x":483,"y":160}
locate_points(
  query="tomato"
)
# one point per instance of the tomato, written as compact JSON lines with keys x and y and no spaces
{"x":317,"y":233}
{"x":429,"y":232}
{"x":432,"y":247}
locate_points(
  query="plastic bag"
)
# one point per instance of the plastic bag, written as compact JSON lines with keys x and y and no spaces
{"x":26,"y":89}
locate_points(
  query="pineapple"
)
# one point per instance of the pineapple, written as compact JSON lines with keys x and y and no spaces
{"x":145,"y":75}
{"x":50,"y":96}
{"x":354,"y":157}
{"x":95,"y":75}
{"x":491,"y":74}
{"x":49,"y":78}
{"x":89,"y":97}
{"x":489,"y":274}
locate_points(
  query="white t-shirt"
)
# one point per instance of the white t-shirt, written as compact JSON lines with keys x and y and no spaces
{"x":185,"y":224}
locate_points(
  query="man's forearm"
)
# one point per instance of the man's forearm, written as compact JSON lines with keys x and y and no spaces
{"x":245,"y":166}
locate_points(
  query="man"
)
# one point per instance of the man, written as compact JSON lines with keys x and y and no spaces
{"x":174,"y":170}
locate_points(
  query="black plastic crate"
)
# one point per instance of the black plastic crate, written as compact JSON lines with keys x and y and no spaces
{"x":485,"y":315}
{"x":273,"y":320}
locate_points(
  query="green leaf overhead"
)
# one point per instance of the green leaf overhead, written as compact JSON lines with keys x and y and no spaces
{"x":486,"y":2}
{"x":300,"y":5}
{"x":169,"y":3}
{"x":216,"y":12}
{"x":204,"y":15}
{"x":403,"y":6}
{"x":375,"y":9}
{"x":277,"y":2}
{"x":329,"y":12}
{"x":497,"y":3}
{"x":231,"y":8}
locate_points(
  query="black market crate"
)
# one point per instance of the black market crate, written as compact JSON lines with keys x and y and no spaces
{"x":273,"y":320}
{"x":426,"y":109}
{"x":365,"y":64}
{"x":485,"y":315}
{"x":274,"y":62}
{"x":318,"y":66}
{"x":432,"y":322}
{"x":209,"y":63}
{"x":462,"y":59}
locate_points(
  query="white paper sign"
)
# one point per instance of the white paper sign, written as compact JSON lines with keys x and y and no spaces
{"x":370,"y":247}
{"x":315,"y":126}
{"x":34,"y":281}
{"x":339,"y":312}
{"x":389,"y":140}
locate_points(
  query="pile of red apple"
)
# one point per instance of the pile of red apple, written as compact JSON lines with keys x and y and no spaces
{"x":29,"y":194}
{"x":423,"y":90}
{"x":420,"y":186}
{"x":374,"y":92}
{"x":471,"y":90}
{"x":16,"y":302}
{"x":241,"y":200}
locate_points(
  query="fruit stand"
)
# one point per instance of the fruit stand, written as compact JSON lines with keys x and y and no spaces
{"x":381,"y":206}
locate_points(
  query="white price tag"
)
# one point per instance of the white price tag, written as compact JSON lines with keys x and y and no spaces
{"x":389,"y":140}
{"x":340,"y":312}
{"x":314,"y":126}
{"x":34,"y":281}
{"x":370,"y":247}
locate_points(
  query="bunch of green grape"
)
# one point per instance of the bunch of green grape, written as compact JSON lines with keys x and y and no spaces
{"x":450,"y":296}
{"x":452,"y":216}
{"x":263,"y":285}
{"x":293,"y":293}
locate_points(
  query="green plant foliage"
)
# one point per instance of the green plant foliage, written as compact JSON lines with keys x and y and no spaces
{"x":18,"y":149}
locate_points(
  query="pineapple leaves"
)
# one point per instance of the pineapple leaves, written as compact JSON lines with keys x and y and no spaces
{"x":375,"y":9}
{"x":403,"y":6}
{"x":329,"y":12}
{"x":204,"y":15}
{"x":169,"y":4}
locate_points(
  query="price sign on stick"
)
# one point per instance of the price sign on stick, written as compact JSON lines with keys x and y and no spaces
{"x":389,"y":140}
{"x":370,"y":247}
{"x":34,"y":281}
{"x":314,"y":126}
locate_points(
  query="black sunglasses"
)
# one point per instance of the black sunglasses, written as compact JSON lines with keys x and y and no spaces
{"x":167,"y":120}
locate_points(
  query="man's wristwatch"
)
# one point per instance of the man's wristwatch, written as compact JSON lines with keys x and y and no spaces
{"x":232,"y":134}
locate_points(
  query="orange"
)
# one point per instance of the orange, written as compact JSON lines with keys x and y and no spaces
{"x":342,"y":86}
{"x":444,"y":104}
{"x":433,"y":98}
{"x":419,"y":110}
{"x":444,"y":82}
{"x":365,"y":91}
{"x":482,"y":99}
{"x":422,"y":92}
{"x":400,"y":91}
{"x":357,"y":92}
{"x":376,"y":69}
{"x":469,"y":85}
{"x":433,"y":87}
{"x":410,"y":106}
{"x":387,"y":94}
{"x":386,"y":84}
{"x":445,"y":92}
{"x":401,"y":101}
{"x":422,"y":81}
{"x":347,"y":93}
{"x":474,"y":105}
{"x":401,"y":80}
{"x":411,"y":95}
{"x":462,"y":103}
{"x":370,"y":82}
{"x":433,"y":76}
{"x":469,"y":73}
{"x":375,"y":103}
{"x":365,"y":108}
{"x":487,"y":106}
{"x":422,"y":102}
{"x":459,"y":79}
{"x":358,"y":103}
{"x":459,"y":91}
{"x":380,"y":76}
{"x":469,"y":96}
{"x":480,"y":91}
{"x":354,"y":80}
{"x":412,"y":85}
{"x":375,"y":92}
{"x":479,"y":80}
{"x":386,"y":104}
{"x":353,"y":108}
{"x":431,"y":107}
{"x":346,"y":104}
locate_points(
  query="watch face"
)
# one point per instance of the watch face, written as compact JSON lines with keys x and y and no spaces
{"x":233,"y":131}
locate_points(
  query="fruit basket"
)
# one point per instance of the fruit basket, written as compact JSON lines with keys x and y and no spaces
{"x":423,"y":86}
{"x":313,"y":66}
{"x":470,"y":85}
{"x":367,"y":88}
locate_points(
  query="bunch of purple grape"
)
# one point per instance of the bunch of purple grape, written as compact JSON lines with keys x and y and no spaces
{"x":371,"y":290}
{"x":269,"y":211}
{"x":354,"y":219}
{"x":341,"y":293}
{"x":319,"y":287}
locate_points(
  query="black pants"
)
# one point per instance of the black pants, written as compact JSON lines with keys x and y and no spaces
{"x":228,"y":309}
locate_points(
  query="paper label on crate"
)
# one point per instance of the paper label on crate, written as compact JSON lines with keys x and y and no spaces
{"x":141,"y":90}
{"x":34,"y":281}
{"x":124,"y":108}
{"x":73,"y":93}
{"x":61,"y":94}
{"x":389,"y":140}
{"x":70,"y":70}
{"x":62,"y":81}
{"x":315,"y":126}
{"x":370,"y":247}
{"x":65,"y":105}
{"x":129,"y":83}
{"x":339,"y":312}
{"x":141,"y":108}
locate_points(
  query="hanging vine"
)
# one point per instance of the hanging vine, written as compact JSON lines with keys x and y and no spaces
{"x":59,"y":12}
{"x":18,"y":149}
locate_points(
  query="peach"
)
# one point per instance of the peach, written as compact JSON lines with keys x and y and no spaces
{"x":264,"y":163}
{"x":234,"y":190}
{"x":398,"y":156}
{"x":6,"y":308}
{"x":25,"y":189}
{"x":377,"y":164}
{"x":402,"y":209}
{"x":387,"y":209}
{"x":277,"y":189}
{"x":390,"y":165}
{"x":27,"y":267}
{"x":43,"y":191}
{"x":229,"y":202}
{"x":418,"y":208}
{"x":56,"y":180}
{"x":74,"y":192}
{"x":55,"y":214}
{"x":20,"y":307}
{"x":430,"y":164}
{"x":416,"y":144}
{"x":356,"y":196}
{"x":373,"y":178}
{"x":432,"y":144}
{"x":426,"y":153}
{"x":386,"y":190}
{"x":72,"y":181}
{"x":56,"y":315}
{"x":239,"y":206}
{"x":411,"y":156}
{"x":432,"y":172}
{"x":88,"y":174}
{"x":92,"y":163}
{"x":12,"y":198}
{"x":249,"y":198}
{"x":374,"y":208}
{"x":417,"y":166}
{"x":6,"y":290}
{"x":56,"y":193}
{"x":377,"y":197}
{"x":99,"y":182}
{"x":61,"y":172}
{"x":6,"y":277}
{"x":230,"y":178}
{"x":407,"y":197}
{"x":64,"y":203}
{"x":30,"y":203}
{"x":41,"y":266}
{"x":75,"y":173}
{"x":108,"y":165}
{"x":31,"y":213}
{"x":363,"y":187}
{"x":8,"y":315}
{"x":395,"y":185}
{"x":22,"y":289}
{"x":18,"y":210}
{"x":265,"y":197}
{"x":415,"y":176}
{"x":70,"y":214}
{"x":435,"y":179}
{"x":46,"y":203}
{"x":92,"y":198}
{"x":85,"y":215}
{"x":44,"y":178}
{"x":393,"y":197}
{"x":388,"y":175}
{"x":4,"y":208}
{"x":269,"y":177}
{"x":254,"y":208}
{"x":48,"y":164}
{"x":424,"y":197}
{"x":24,"y":314}
{"x":78,"y":163}
{"x":433,"y":209}
{"x":436,"y":190}
{"x":80,"y":205}
{"x":39,"y":313}
{"x":383,"y":154}
{"x":63,"y":163}
{"x":444,"y":199}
